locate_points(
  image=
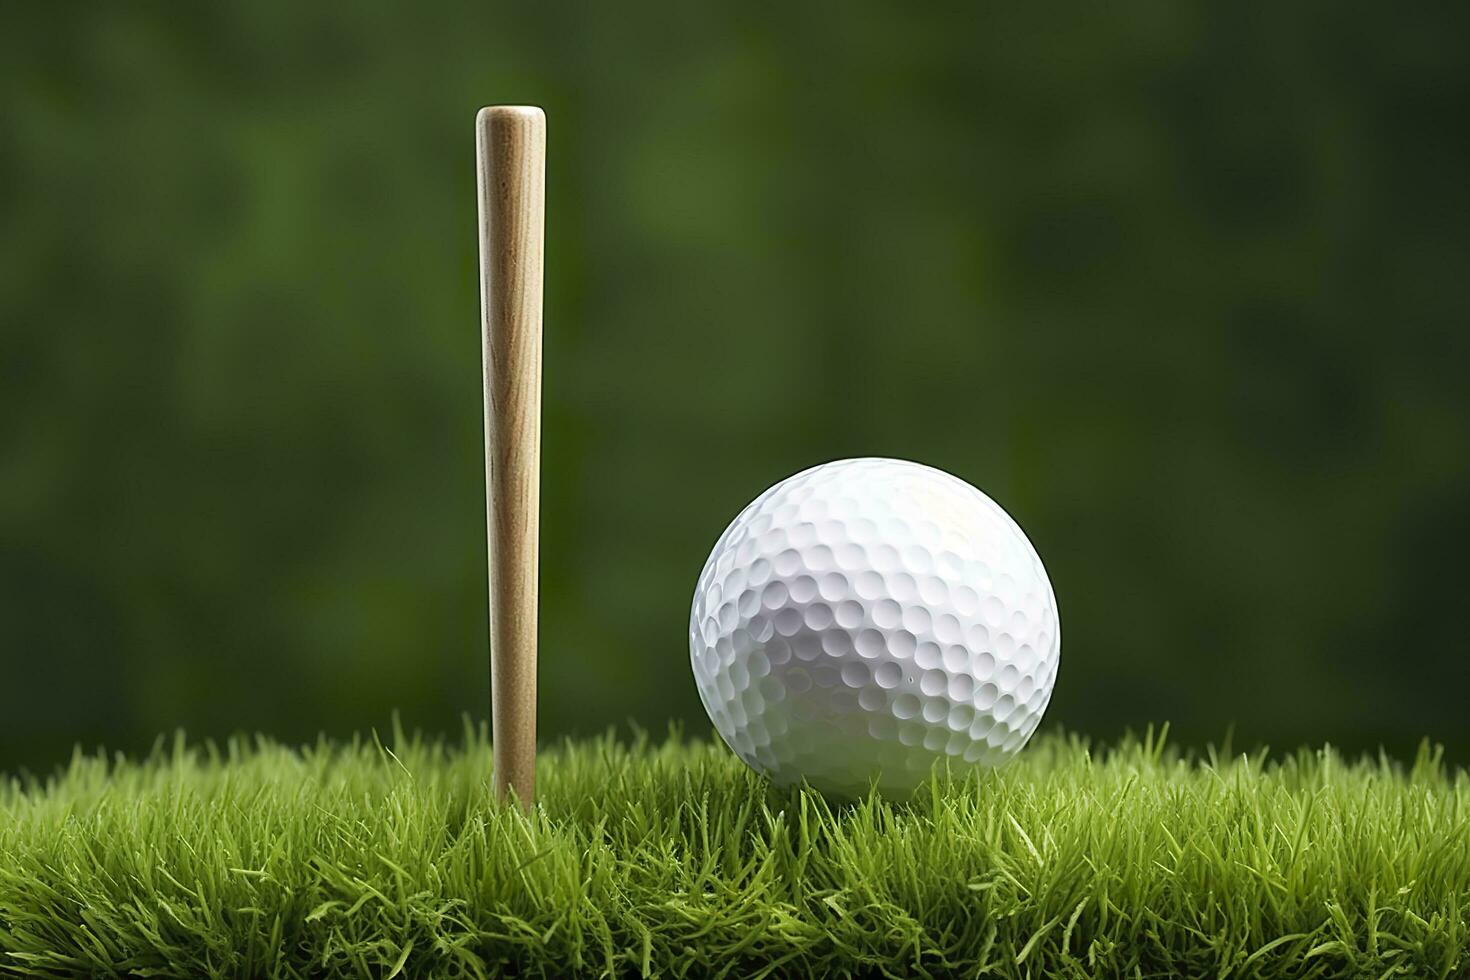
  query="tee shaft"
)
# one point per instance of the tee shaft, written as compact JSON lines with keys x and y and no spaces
{"x":510,"y":143}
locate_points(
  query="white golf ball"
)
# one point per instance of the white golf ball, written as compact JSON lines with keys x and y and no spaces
{"x":868,"y":618}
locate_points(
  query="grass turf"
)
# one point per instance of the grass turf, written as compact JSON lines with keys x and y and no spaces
{"x":669,"y":858}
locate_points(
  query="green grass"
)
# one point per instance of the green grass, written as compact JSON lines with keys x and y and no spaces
{"x":669,"y":858}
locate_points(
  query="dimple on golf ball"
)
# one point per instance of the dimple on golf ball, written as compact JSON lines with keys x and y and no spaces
{"x":866,"y":619}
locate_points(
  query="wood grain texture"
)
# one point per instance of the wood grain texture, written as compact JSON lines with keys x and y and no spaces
{"x":511,"y":153}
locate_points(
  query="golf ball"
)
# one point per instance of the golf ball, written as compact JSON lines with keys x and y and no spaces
{"x":866,"y":619}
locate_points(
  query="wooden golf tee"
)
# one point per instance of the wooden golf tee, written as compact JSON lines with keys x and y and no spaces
{"x":510,"y":145}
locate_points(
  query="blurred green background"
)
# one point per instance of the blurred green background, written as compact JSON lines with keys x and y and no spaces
{"x":1186,"y":288}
